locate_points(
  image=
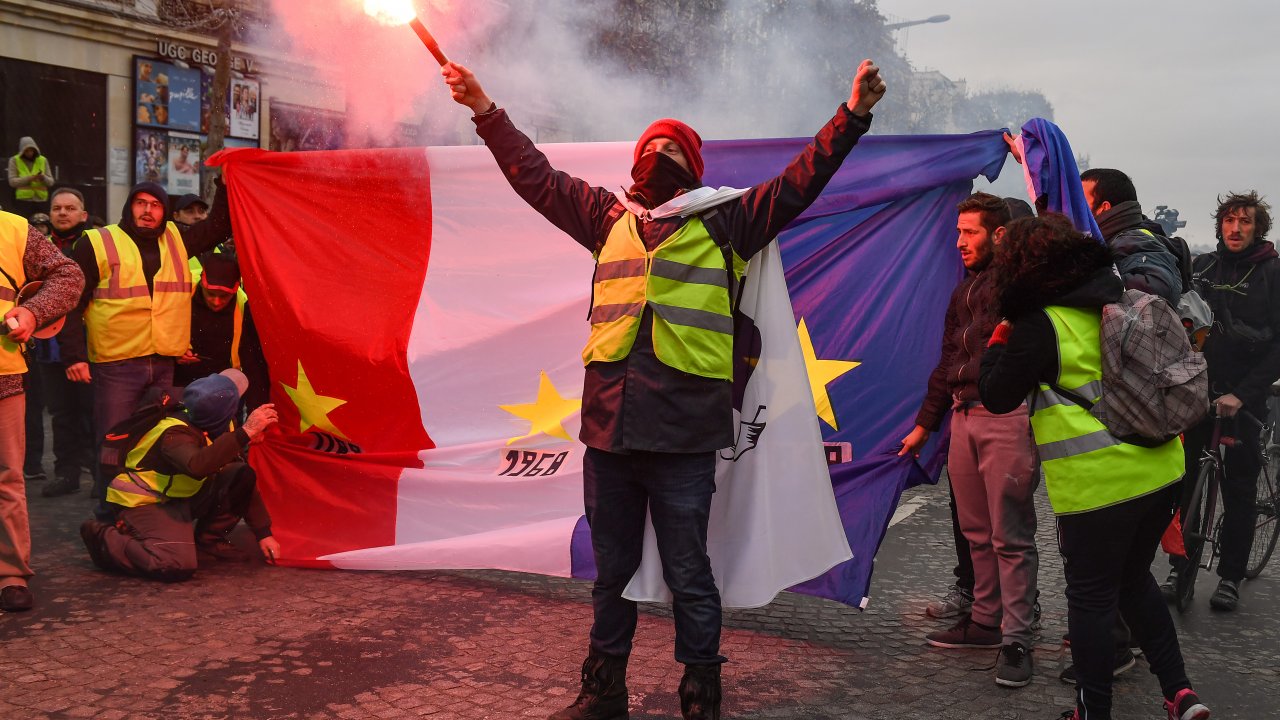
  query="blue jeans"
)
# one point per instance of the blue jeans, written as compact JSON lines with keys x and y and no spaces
{"x":676,"y":489}
{"x":117,"y":388}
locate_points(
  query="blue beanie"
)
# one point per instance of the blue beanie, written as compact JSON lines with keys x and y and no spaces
{"x":212,"y":402}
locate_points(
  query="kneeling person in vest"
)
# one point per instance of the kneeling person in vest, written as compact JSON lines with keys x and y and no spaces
{"x":184,"y":487}
{"x":657,"y":400}
{"x":136,"y":306}
{"x":1113,"y":500}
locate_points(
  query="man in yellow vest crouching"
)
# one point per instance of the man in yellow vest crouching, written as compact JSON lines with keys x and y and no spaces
{"x":183,"y":487}
{"x":136,"y":306}
{"x":25,"y":256}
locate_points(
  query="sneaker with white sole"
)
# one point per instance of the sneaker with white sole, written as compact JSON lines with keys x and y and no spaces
{"x":966,"y":634}
{"x":1169,"y":588}
{"x":957,"y":601}
{"x":1186,"y":705}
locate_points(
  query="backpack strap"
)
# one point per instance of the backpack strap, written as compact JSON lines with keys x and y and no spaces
{"x":714,"y":222}
{"x":615,"y":213}
{"x":1076,"y":398}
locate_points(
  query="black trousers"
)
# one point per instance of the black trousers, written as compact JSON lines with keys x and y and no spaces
{"x":70,"y":406}
{"x":964,"y":558}
{"x":1107,"y":556}
{"x":1238,"y":489}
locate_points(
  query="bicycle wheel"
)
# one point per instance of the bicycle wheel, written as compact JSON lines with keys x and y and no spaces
{"x":1196,"y":531}
{"x":1266,"y":528}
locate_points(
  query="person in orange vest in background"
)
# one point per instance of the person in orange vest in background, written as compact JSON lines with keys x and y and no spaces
{"x":222,"y":331}
{"x":25,"y":256}
{"x":30,"y":178}
{"x":136,"y":306}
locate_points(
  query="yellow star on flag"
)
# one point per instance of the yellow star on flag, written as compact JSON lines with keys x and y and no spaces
{"x":822,"y":372}
{"x":312,"y":407}
{"x":546,"y":413}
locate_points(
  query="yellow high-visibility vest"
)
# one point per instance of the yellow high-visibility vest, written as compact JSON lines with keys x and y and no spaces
{"x":13,"y":245}
{"x":136,"y":485}
{"x":684,"y":282}
{"x":123,"y":319}
{"x":37,"y":191}
{"x":1085,"y":466}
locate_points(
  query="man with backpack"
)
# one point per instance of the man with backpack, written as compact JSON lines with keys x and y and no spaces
{"x":991,"y":462}
{"x":179,"y":484}
{"x":1240,"y":280}
{"x":1147,"y":260}
{"x":1113,"y":499}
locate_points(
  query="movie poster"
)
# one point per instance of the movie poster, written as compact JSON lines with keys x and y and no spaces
{"x":151,"y":156}
{"x":245,"y":120}
{"x":294,"y":127}
{"x":184,"y":164}
{"x":166,"y":95}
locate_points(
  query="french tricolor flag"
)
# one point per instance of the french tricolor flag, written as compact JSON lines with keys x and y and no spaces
{"x":423,"y":328}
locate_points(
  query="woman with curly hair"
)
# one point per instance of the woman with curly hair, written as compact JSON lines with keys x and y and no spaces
{"x":1112,"y":499}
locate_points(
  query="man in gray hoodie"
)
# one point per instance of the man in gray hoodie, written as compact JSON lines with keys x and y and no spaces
{"x":30,"y":177}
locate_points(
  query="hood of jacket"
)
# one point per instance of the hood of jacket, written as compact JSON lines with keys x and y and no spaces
{"x":1120,"y":217}
{"x":27,"y":142}
{"x":1255,"y":253}
{"x":126,"y":212}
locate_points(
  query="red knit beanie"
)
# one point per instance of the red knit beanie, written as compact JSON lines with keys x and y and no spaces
{"x":683,"y":135}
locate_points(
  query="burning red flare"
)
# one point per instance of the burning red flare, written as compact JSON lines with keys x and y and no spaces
{"x":399,"y":12}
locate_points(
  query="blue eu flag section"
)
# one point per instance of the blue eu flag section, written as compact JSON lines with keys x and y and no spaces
{"x":870,"y":267}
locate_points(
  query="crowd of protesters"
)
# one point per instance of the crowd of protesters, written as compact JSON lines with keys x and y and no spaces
{"x":159,"y":350}
{"x":140,"y":347}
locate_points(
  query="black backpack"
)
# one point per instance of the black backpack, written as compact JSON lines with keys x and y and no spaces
{"x":125,"y":435}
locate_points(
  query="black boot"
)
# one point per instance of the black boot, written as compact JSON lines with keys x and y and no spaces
{"x":604,"y":690}
{"x":700,"y":692}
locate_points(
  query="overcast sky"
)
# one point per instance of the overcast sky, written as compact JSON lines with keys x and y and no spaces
{"x":1181,"y":96}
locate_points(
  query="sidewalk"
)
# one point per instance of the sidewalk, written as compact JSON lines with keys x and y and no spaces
{"x":251,"y":641}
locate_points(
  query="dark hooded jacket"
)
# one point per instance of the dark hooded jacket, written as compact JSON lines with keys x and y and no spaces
{"x":1011,"y":370}
{"x":639,"y":403}
{"x":971,"y":316}
{"x":1143,"y":255}
{"x":1243,"y":348}
{"x":200,"y":237}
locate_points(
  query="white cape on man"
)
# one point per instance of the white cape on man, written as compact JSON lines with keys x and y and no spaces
{"x":774,"y":521}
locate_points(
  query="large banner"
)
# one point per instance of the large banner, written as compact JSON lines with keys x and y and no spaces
{"x":424,"y":346}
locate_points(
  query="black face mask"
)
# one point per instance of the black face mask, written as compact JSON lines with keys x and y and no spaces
{"x":658,"y":178}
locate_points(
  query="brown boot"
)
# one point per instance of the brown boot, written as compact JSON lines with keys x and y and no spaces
{"x":700,"y":692}
{"x":604,"y":691}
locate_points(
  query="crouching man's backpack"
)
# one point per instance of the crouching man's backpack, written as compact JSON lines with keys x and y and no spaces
{"x":126,"y":434}
{"x":1154,"y":385}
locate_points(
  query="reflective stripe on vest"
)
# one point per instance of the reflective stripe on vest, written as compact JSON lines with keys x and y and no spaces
{"x":683,"y":281}
{"x":136,"y":485}
{"x":13,"y":246}
{"x":237,"y":326}
{"x":1085,"y":466}
{"x":37,"y":190}
{"x":124,"y":320}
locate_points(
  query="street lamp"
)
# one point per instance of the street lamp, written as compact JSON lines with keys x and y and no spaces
{"x":909,"y":23}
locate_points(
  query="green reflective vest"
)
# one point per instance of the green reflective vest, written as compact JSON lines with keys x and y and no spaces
{"x":683,"y":281}
{"x":37,"y":190}
{"x":136,"y":486}
{"x":1085,"y":466}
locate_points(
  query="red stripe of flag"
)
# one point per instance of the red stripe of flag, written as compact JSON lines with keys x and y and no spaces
{"x":334,"y":247}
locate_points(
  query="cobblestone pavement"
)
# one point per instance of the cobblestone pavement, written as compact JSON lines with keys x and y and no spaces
{"x":250,"y":641}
